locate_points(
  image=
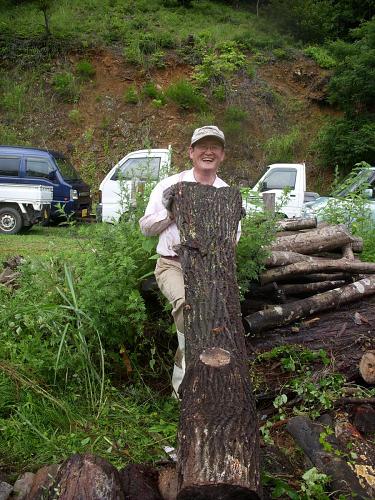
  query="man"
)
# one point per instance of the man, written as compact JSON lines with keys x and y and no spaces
{"x":206,"y":153}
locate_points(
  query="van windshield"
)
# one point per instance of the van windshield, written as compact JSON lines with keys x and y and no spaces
{"x":353,"y":183}
{"x":67,"y":170}
{"x":146,"y":168}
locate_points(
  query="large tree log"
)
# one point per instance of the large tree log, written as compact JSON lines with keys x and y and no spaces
{"x":310,"y":288}
{"x":83,"y":477}
{"x":297,"y":224}
{"x":300,"y":268}
{"x":288,"y":313}
{"x":316,"y":240}
{"x":218,"y":454}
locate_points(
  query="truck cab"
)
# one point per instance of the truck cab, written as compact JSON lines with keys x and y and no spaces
{"x":118,"y":189}
{"x":288,"y":182}
{"x":20,"y":165}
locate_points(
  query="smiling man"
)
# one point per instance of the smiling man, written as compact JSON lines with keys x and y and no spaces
{"x":207,"y":152}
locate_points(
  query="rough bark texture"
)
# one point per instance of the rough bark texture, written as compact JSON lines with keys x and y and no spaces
{"x":288,"y":313}
{"x":316,"y":240}
{"x":218,"y":454}
{"x":84,"y":477}
{"x":300,"y":268}
{"x":140,"y":482}
{"x":297,"y":224}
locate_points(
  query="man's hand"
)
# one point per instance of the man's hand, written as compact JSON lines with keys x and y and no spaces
{"x":168,"y":199}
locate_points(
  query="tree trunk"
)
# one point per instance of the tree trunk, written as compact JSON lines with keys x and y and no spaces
{"x":296,"y":224}
{"x":83,"y":477}
{"x":301,"y":268}
{"x":218,"y":455}
{"x":288,"y":313}
{"x":316,"y":240}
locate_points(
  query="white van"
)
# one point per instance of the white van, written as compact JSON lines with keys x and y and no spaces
{"x":119,"y":187}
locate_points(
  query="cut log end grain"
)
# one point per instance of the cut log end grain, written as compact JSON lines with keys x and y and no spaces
{"x":367,"y":367}
{"x":215,"y":357}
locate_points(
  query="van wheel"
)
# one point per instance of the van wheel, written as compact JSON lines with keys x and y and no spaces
{"x":10,"y":221}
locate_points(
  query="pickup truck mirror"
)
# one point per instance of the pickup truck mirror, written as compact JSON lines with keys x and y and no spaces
{"x":263,"y":186}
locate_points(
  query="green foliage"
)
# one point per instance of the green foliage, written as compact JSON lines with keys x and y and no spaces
{"x":315,"y":484}
{"x":13,"y":98}
{"x":85,"y":69}
{"x":346,"y":141}
{"x":283,"y":148}
{"x":258,"y":231}
{"x":66,"y":87}
{"x":234,"y":120}
{"x":321,"y":56}
{"x":131,"y":95}
{"x":186,"y":96}
{"x":220,"y":65}
{"x":75,"y":116}
{"x":150,"y":90}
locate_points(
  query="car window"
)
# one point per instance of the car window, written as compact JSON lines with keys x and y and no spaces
{"x":67,"y":170}
{"x":38,"y":167}
{"x":9,"y":165}
{"x":281,"y":178}
{"x":138,"y":168}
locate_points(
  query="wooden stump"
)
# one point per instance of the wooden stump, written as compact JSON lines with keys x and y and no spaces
{"x":218,"y":455}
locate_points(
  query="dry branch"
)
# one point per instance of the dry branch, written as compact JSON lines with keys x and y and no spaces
{"x":316,"y":240}
{"x":287,"y":313}
{"x":301,"y":268}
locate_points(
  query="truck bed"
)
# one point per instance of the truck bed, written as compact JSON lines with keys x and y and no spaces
{"x":25,"y":193}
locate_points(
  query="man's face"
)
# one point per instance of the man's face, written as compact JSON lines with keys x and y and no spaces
{"x":207,"y":154}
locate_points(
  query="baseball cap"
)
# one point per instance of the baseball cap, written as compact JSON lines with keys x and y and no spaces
{"x":207,"y":131}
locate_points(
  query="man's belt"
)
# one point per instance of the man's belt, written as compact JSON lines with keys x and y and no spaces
{"x":171,"y":257}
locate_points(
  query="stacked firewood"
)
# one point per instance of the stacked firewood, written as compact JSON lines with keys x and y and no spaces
{"x":311,"y":268}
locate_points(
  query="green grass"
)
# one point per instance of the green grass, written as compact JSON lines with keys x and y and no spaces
{"x":41,"y":240}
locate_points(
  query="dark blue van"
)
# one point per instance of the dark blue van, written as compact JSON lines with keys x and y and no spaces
{"x":19,"y":165}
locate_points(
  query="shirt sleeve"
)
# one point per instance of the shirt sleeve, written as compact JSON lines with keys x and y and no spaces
{"x":156,"y":217}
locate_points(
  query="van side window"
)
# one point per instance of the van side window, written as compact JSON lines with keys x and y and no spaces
{"x":278,"y":179}
{"x":37,"y":167}
{"x":9,"y":165}
{"x":138,"y":168}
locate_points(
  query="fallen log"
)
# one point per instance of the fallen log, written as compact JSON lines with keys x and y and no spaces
{"x":301,"y":268}
{"x":310,"y":288}
{"x":218,"y":453}
{"x":296,"y":224}
{"x":307,"y":435}
{"x":283,"y":258}
{"x":86,"y":476}
{"x":367,"y":367}
{"x":316,"y":240}
{"x":288,"y":313}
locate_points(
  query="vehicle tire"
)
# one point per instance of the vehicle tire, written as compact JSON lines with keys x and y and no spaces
{"x":10,"y":221}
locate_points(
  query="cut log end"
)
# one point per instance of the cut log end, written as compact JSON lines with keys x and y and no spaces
{"x":215,"y":357}
{"x":217,"y":492}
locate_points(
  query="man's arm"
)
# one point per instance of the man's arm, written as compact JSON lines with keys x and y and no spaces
{"x":156,"y":217}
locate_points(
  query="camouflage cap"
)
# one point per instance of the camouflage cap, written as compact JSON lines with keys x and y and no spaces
{"x":207,"y":131}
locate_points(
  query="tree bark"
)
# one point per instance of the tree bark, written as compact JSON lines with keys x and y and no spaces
{"x":86,"y":476}
{"x":284,"y":258}
{"x":297,"y":224}
{"x":301,"y":268}
{"x":288,"y":313}
{"x":310,"y":288}
{"x":218,"y":454}
{"x":316,"y":240}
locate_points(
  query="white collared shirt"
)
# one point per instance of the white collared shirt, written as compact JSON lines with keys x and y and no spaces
{"x":156,"y":219}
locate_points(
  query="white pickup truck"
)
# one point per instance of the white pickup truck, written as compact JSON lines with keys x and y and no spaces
{"x":22,"y":205}
{"x":120,"y":185}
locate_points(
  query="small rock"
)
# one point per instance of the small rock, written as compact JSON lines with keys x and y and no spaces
{"x":5,"y":490}
{"x":23,"y":485}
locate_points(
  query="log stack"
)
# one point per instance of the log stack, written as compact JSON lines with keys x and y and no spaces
{"x":310,"y":269}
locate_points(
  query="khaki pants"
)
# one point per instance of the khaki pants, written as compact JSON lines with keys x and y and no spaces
{"x":170,"y":280}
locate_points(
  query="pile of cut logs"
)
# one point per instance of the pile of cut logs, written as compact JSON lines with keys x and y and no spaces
{"x":311,"y":268}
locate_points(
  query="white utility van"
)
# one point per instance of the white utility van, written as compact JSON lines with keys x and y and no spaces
{"x":130,"y":174}
{"x":121,"y":184}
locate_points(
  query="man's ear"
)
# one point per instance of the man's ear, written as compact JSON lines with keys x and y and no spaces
{"x":191,"y":149}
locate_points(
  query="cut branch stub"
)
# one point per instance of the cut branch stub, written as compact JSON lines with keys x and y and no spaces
{"x":218,"y":454}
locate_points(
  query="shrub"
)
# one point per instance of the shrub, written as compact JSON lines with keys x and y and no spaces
{"x":13,"y":99}
{"x":133,"y":54}
{"x":150,"y":90}
{"x":282,"y":148}
{"x":75,"y":116}
{"x":66,"y":87}
{"x":85,"y":69}
{"x":185,"y":95}
{"x":321,"y":56}
{"x":131,"y":95}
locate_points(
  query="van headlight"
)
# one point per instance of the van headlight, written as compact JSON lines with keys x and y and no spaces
{"x":73,"y":194}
